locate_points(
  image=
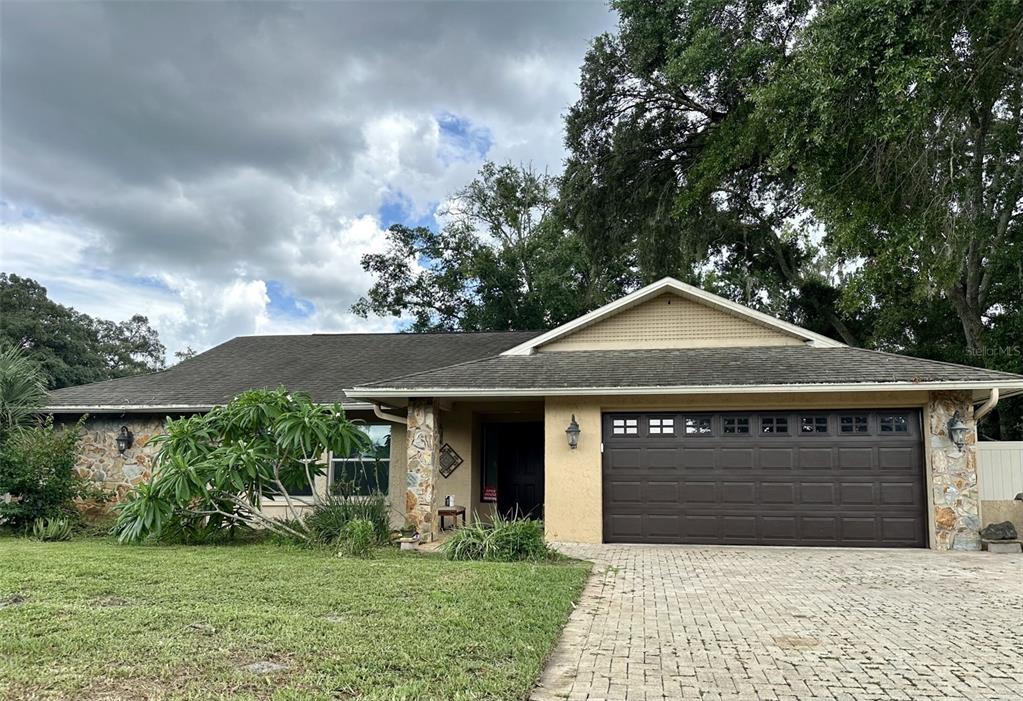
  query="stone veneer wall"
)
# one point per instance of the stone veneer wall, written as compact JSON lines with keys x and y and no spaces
{"x":100,"y":461}
{"x":422,"y":441}
{"x":953,"y":474}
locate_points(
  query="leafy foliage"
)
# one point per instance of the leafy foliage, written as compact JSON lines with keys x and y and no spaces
{"x":52,"y":529}
{"x":72,"y":348}
{"x":504,"y":540}
{"x":501,"y":262}
{"x":37,"y":472}
{"x":214,"y":471}
{"x":329,"y":518}
{"x":22,"y":391}
{"x":358,"y":538}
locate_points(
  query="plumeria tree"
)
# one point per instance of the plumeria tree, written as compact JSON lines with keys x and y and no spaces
{"x":214,"y":471}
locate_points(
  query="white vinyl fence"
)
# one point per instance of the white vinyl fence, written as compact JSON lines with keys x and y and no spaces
{"x":1000,"y":468}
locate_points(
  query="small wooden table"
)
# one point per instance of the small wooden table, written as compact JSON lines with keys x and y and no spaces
{"x":453,"y":511}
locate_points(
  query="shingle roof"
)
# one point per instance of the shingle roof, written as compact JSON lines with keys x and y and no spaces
{"x":324,"y":365}
{"x":693,"y":367}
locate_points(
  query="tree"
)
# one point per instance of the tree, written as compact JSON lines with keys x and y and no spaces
{"x":904,"y":121}
{"x":22,"y":391}
{"x":502,"y":261}
{"x":667,"y":164}
{"x":187,"y":354}
{"x":214,"y":470}
{"x":72,"y":348}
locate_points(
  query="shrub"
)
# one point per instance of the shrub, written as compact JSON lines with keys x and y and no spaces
{"x":329,"y":518}
{"x":37,"y":470}
{"x":503,"y":540}
{"x":358,"y":538}
{"x":52,"y":528}
{"x":220,"y":466}
{"x":22,"y":390}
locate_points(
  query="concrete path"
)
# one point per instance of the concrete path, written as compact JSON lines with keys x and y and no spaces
{"x":681,"y":622}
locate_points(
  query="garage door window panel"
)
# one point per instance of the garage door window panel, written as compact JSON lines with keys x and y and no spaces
{"x":774,"y":425}
{"x":814,"y":425}
{"x":698,"y":426}
{"x":858,"y":424}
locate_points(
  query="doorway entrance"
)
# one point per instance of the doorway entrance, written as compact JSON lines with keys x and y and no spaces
{"x":513,"y":468}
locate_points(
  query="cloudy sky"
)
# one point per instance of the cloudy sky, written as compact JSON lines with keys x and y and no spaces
{"x":221,"y":168}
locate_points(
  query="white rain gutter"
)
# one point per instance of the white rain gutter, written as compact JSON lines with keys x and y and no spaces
{"x":987,"y":406}
{"x":394,"y":418}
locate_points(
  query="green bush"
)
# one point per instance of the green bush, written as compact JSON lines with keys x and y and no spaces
{"x":37,"y":470}
{"x":503,"y":540}
{"x":329,"y":518}
{"x":358,"y":538}
{"x":52,"y":528}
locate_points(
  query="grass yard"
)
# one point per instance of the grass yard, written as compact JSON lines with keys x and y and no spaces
{"x":90,"y":619}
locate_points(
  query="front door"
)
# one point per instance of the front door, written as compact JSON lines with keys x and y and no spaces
{"x":515,"y":452}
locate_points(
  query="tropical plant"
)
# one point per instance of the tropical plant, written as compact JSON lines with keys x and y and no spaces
{"x":216,"y":470}
{"x":503,"y":540}
{"x":49,"y":529}
{"x":37,"y":474}
{"x":358,"y":538}
{"x":22,"y":388}
{"x":328,"y":518}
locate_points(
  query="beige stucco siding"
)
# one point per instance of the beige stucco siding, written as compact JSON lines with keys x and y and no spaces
{"x":573,"y":510}
{"x":671,"y":321}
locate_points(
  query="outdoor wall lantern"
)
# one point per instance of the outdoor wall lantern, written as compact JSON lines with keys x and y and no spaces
{"x":573,"y":433}
{"x":957,"y":430}
{"x":124,"y":439}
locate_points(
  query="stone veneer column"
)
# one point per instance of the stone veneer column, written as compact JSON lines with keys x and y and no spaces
{"x":422,"y":441}
{"x":953,"y":474}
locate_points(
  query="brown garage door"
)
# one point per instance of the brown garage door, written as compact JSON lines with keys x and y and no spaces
{"x":848,"y":478}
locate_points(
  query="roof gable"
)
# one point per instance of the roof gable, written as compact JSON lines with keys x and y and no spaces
{"x":629,"y":323}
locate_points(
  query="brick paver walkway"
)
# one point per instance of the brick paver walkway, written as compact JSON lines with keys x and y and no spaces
{"x":681,"y":622}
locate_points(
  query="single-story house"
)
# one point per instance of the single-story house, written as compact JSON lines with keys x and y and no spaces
{"x":668,"y":416}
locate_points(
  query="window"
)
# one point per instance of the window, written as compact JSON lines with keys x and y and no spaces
{"x":813,"y":424}
{"x":774,"y":424}
{"x":894,"y":423}
{"x":735,"y":424}
{"x":853,"y":424}
{"x":697,"y":425}
{"x":369,"y":472}
{"x":624,"y":427}
{"x":665,"y":426}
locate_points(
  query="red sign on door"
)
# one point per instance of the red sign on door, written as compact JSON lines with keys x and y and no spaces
{"x":490,"y":494}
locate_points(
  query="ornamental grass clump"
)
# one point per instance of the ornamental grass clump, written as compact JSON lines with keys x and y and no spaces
{"x":52,"y":529}
{"x":329,"y":518}
{"x":502,"y":540}
{"x":358,"y":538}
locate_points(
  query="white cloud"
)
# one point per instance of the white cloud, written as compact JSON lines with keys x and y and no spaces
{"x":191,"y":162}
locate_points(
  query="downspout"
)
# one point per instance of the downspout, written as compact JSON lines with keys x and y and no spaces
{"x":394,"y":418}
{"x":987,"y":406}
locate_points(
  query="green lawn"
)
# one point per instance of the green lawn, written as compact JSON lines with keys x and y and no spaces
{"x":90,"y":619}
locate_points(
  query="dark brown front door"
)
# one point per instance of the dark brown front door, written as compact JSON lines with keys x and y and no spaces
{"x":516,"y":449}
{"x":845,"y":478}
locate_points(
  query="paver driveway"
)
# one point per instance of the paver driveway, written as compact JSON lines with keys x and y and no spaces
{"x":680,"y":622}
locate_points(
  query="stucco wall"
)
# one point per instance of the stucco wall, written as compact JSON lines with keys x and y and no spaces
{"x":671,"y":321}
{"x":573,"y":484}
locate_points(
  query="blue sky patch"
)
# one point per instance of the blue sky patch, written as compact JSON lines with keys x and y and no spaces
{"x":398,"y":208}
{"x":461,"y":140}
{"x":283,"y":303}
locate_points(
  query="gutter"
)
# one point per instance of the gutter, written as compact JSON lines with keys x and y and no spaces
{"x":394,"y":418}
{"x":371,"y":393}
{"x":987,"y":406}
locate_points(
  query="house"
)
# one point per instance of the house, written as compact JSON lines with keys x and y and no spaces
{"x":699,"y":421}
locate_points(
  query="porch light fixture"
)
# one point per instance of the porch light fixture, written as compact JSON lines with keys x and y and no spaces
{"x":957,"y":430}
{"x":573,"y":433}
{"x":124,"y":439}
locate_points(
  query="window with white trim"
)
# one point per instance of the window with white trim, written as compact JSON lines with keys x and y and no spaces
{"x":662,"y":426}
{"x":624,"y":427}
{"x":367,"y":472}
